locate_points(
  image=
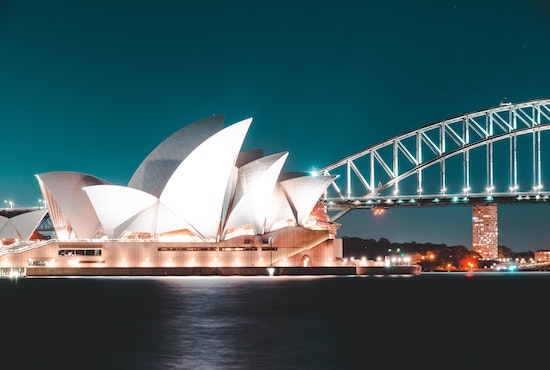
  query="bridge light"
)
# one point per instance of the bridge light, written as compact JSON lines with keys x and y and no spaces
{"x":505,"y":103}
{"x":514,"y":188}
{"x":466,"y":189}
{"x":489,"y":189}
{"x":419,"y":190}
{"x":443,"y":189}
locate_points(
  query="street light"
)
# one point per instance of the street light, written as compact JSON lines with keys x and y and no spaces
{"x":43,"y":201}
{"x":270,"y":241}
{"x":270,"y":269}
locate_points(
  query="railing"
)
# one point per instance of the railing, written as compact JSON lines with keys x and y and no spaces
{"x":20,"y":247}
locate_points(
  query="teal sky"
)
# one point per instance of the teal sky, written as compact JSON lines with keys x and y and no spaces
{"x":94,"y":86}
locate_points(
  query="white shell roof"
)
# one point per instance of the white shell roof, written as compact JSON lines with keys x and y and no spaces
{"x":21,"y":226}
{"x":254,"y":194}
{"x":280,"y":210}
{"x":114,"y":205}
{"x":197,"y":191}
{"x":156,"y":169}
{"x":8,"y":230}
{"x":27,"y":222}
{"x":68,"y":204}
{"x":197,"y":179}
{"x":304,"y":192}
{"x":121,"y":209}
{"x":156,"y":219}
{"x":248,"y":156}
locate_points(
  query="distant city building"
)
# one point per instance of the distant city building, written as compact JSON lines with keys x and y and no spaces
{"x":542,"y":255}
{"x":485,"y":230}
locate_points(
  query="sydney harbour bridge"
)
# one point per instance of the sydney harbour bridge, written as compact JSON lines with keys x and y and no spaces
{"x":488,"y":157}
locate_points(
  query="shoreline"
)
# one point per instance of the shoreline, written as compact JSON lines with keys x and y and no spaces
{"x":209,"y":271}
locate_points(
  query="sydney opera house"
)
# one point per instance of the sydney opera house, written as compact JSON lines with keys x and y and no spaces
{"x":197,"y":200}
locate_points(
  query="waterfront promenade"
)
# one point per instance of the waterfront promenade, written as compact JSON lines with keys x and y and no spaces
{"x":212,"y":271}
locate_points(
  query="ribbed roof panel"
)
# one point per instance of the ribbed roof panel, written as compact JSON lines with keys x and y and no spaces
{"x":156,"y":169}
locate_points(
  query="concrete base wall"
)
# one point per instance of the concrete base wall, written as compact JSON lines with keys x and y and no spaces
{"x":186,"y":271}
{"x":217,"y":271}
{"x":393,"y":270}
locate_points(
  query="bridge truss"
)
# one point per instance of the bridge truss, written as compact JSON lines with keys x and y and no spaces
{"x":493,"y":155}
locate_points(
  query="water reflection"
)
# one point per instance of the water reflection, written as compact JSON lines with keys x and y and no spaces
{"x":275,"y":322}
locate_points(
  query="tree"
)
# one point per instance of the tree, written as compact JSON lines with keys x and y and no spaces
{"x":505,"y":252}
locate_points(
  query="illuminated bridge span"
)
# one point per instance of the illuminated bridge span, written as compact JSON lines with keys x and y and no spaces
{"x":490,"y":156}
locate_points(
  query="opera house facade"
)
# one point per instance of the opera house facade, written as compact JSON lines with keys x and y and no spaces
{"x":197,"y":200}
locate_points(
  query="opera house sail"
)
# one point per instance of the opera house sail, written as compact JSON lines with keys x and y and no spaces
{"x":197,"y":200}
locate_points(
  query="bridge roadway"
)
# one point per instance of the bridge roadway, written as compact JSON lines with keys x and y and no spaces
{"x":344,"y":205}
{"x":11,"y":212}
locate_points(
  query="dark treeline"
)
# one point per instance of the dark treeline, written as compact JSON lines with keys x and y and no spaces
{"x":428,"y":254}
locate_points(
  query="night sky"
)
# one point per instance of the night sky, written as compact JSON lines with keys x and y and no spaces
{"x":94,"y":86}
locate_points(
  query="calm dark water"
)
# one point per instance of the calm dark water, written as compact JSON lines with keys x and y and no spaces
{"x":432,"y":321}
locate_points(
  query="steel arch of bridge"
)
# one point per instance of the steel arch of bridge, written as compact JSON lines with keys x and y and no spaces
{"x":450,"y":148}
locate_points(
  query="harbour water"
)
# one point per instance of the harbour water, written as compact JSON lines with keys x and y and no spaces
{"x":432,"y":321}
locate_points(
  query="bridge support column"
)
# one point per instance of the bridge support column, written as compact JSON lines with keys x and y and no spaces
{"x":485,"y":230}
